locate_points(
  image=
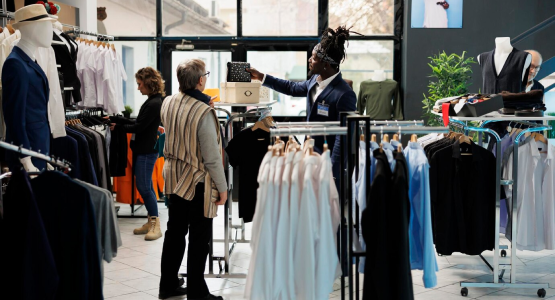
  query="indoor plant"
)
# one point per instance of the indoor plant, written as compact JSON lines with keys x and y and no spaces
{"x":450,"y":76}
{"x":127,"y":112}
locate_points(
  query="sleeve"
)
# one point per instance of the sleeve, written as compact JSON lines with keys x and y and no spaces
{"x":56,"y":111}
{"x":120,"y":120}
{"x":145,"y":118}
{"x":14,"y":101}
{"x":347,"y":102}
{"x":361,"y":102}
{"x":208,"y":140}
{"x":397,"y":105}
{"x":295,"y":89}
{"x":233,"y":151}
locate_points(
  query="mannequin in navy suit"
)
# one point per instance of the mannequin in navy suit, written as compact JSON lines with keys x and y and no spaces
{"x":25,"y":93}
{"x":336,"y":96}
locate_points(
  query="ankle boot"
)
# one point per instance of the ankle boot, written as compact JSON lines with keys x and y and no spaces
{"x":154,"y":231}
{"x":143,"y":229}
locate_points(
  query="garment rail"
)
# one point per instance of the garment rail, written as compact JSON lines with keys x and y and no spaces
{"x":336,"y":123}
{"x":498,"y":268}
{"x":98,"y":35}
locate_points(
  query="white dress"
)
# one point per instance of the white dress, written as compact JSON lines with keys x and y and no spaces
{"x":435,"y":16}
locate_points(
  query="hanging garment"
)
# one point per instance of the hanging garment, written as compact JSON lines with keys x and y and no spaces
{"x":67,"y":149}
{"x":381,"y":100}
{"x":32,"y":261}
{"x":463,"y":203}
{"x":385,"y":227}
{"x":536,"y":196}
{"x":509,"y":78}
{"x":435,"y":16}
{"x":77,"y":258}
{"x":246,"y":151}
{"x":67,"y":58}
{"x":422,"y":252}
{"x":118,"y":152}
{"x":88,"y":173}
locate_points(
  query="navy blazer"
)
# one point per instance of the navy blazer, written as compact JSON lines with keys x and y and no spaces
{"x":25,"y":105}
{"x":338,"y":95}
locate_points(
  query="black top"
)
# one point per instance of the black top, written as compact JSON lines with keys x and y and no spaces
{"x":145,"y":127}
{"x":510,"y":77}
{"x":538,"y":86}
{"x":462,"y":189}
{"x":67,"y":59}
{"x":246,"y":151}
{"x":385,"y":225}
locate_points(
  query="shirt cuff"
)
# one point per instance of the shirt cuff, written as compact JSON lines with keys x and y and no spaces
{"x":264,"y":79}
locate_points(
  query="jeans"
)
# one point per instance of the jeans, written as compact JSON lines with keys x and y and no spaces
{"x":144,"y":166}
{"x":186,"y":217}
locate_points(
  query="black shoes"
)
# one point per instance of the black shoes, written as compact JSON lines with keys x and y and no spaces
{"x":179,"y":291}
{"x":208,"y":297}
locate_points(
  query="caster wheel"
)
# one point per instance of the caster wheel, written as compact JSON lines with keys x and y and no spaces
{"x":464,"y":292}
{"x":503,"y":253}
{"x":541,"y":293}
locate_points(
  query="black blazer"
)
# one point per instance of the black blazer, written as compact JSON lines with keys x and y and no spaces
{"x":67,"y":59}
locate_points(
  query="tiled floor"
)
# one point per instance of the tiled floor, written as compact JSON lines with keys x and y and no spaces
{"x":135,"y":272}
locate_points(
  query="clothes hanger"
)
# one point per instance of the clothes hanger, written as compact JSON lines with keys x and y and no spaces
{"x":374,"y":138}
{"x":325,"y":140}
{"x":385,"y":138}
{"x":10,"y":28}
{"x":361,"y":134}
{"x":381,"y":144}
{"x":260,"y":125}
{"x":414,"y":138}
{"x":540,"y":137}
{"x":396,"y":138}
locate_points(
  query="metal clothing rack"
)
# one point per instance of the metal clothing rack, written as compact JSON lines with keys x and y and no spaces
{"x":498,"y":268}
{"x":78,"y":32}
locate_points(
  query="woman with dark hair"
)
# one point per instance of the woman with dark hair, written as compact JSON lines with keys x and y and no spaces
{"x":145,"y":128}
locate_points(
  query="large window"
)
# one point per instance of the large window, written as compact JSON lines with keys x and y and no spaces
{"x":280,"y":17}
{"x":364,"y":57}
{"x":128,"y":18}
{"x":367,"y":17}
{"x":199,"y":17}
{"x":135,"y":55}
{"x":216,"y":63}
{"x":290,"y":65}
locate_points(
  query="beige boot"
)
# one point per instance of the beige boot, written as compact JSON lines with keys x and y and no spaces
{"x":154,"y":231}
{"x":143,"y":229}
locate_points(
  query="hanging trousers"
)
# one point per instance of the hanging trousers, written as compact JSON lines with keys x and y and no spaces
{"x":186,"y":217}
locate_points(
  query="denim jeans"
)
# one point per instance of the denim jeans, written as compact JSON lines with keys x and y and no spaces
{"x":144,"y":165}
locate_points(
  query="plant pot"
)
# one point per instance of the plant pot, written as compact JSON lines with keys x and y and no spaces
{"x":126,"y":114}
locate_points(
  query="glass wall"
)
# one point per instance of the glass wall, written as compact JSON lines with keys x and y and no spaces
{"x":367,"y":17}
{"x":128,"y":18}
{"x":135,"y":55}
{"x":199,"y":17}
{"x":290,"y":65}
{"x":280,"y":17}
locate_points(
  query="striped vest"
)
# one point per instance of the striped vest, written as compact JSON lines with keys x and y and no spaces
{"x":183,"y":168}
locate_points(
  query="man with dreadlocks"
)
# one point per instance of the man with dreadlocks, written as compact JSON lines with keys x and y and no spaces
{"x":326,"y":92}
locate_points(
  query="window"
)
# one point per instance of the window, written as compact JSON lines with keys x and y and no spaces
{"x":280,"y":18}
{"x":290,"y":65}
{"x":363,"y":57}
{"x":368,"y":17}
{"x":128,"y":18}
{"x":199,"y":17}
{"x":135,"y":55}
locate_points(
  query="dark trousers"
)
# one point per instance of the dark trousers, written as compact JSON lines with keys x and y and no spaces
{"x":186,"y":217}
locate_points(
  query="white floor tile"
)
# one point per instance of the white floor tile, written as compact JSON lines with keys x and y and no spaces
{"x":134,"y":296}
{"x":439,"y":295}
{"x":143,"y":284}
{"x":117,"y":289}
{"x":126,"y":274}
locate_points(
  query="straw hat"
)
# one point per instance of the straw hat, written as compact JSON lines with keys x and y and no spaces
{"x":32,"y":13}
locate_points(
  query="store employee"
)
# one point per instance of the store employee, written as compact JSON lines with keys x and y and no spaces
{"x":326,"y":92}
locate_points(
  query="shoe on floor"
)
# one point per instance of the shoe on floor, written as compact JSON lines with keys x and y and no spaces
{"x":180,"y":291}
{"x":154,"y":231}
{"x":208,"y":297}
{"x":143,"y":229}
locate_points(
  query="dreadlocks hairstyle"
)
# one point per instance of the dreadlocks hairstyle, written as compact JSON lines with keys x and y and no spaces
{"x":332,"y":46}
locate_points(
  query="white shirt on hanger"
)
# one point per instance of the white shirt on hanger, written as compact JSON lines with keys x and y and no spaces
{"x":297,"y":175}
{"x":89,"y":77}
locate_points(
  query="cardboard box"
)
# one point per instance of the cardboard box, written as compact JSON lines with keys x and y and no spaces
{"x":240,"y":92}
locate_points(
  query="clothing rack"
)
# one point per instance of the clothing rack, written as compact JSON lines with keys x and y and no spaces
{"x":98,"y":35}
{"x":498,"y":268}
{"x":336,"y":123}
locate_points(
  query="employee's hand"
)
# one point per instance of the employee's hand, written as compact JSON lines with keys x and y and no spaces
{"x":211,"y":103}
{"x":255,"y":75}
{"x":112,"y":126}
{"x":223,"y":198}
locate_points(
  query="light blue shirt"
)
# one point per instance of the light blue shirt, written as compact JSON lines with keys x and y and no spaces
{"x":422,"y":253}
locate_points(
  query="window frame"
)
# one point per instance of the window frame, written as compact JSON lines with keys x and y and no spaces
{"x":239,"y":45}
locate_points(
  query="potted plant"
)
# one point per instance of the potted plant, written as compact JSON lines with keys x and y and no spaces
{"x":450,"y":77}
{"x":127,"y":112}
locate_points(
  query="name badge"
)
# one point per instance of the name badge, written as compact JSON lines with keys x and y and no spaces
{"x":323,"y":110}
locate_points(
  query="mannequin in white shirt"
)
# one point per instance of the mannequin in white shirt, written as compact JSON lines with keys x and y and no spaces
{"x":379,"y":75}
{"x":503,"y":48}
{"x":33,"y":36}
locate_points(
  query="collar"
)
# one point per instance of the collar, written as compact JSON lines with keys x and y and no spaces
{"x":476,"y":156}
{"x":415,"y":145}
{"x":157,"y":95}
{"x":22,"y":54}
{"x":322,"y":84}
{"x":198,"y":95}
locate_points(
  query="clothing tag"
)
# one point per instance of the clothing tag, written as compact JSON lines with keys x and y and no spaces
{"x":261,"y":139}
{"x":323,"y":110}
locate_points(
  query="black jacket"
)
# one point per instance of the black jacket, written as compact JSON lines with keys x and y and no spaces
{"x":67,"y":59}
{"x":145,"y":127}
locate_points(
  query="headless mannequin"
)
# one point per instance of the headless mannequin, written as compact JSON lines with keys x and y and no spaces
{"x":503,"y":48}
{"x":379,"y":75}
{"x":33,"y":36}
{"x":58,"y":27}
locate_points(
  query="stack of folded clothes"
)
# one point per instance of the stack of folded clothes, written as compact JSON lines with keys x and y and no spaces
{"x":518,"y":103}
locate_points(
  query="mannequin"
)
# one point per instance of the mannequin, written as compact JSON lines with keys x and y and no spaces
{"x":379,"y":75}
{"x":503,"y":48}
{"x":58,"y":27}
{"x":25,"y":102}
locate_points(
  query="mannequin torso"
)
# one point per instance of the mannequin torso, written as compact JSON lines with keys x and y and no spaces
{"x":503,"y":49}
{"x":379,"y":75}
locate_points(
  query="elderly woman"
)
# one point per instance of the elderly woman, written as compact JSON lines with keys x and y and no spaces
{"x":145,"y":128}
{"x":194,"y":179}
